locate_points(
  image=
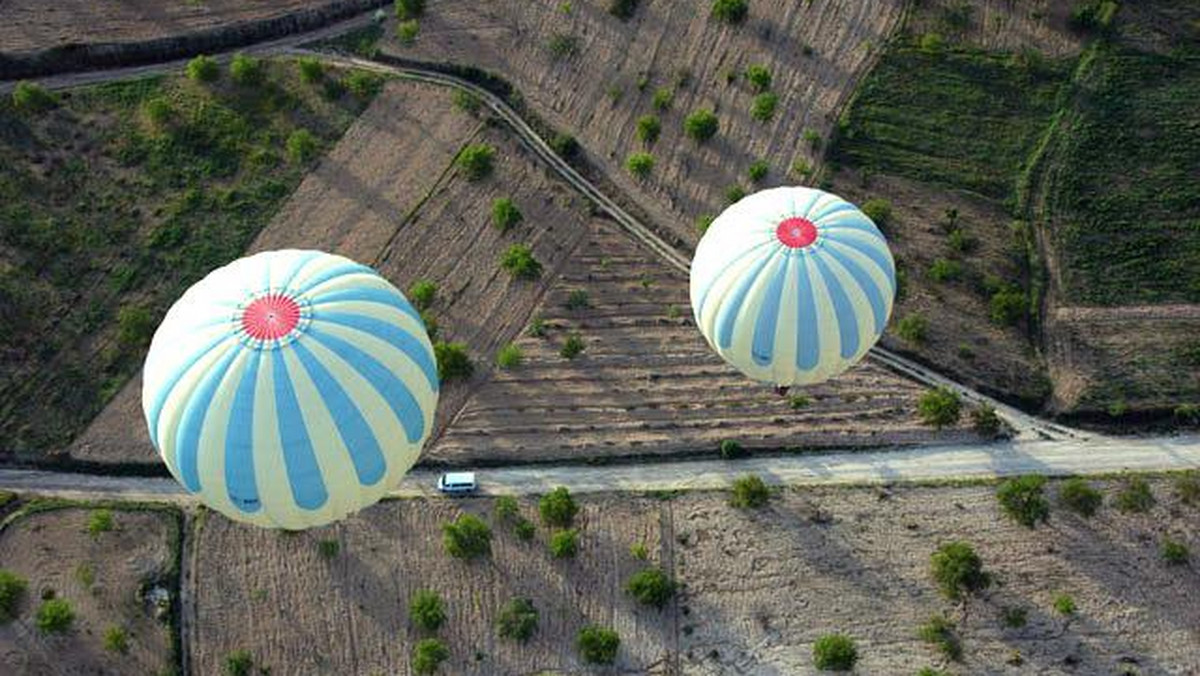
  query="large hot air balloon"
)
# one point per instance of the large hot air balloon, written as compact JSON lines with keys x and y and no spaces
{"x":792,"y":286}
{"x":290,"y":388}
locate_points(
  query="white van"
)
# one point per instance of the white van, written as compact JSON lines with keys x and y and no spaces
{"x":457,"y":482}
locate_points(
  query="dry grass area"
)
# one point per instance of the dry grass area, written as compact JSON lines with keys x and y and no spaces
{"x":297,"y":611}
{"x":815,"y":51}
{"x":101,"y":577}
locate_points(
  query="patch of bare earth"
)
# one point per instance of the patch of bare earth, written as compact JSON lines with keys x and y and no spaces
{"x":760,"y":587}
{"x":815,"y":51}
{"x":296,"y":611}
{"x":101,"y":577}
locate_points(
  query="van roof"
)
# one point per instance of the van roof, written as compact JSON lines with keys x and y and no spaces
{"x":460,"y":477}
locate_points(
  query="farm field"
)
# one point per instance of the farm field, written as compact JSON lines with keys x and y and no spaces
{"x":104,"y":578}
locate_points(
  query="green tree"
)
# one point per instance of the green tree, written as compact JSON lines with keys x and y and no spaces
{"x":730,"y":11}
{"x":663,"y":98}
{"x":476,"y":160}
{"x":101,"y":521}
{"x":245,"y":70}
{"x":426,"y":611}
{"x":54,"y":616}
{"x":509,"y":356}
{"x":1079,"y":496}
{"x":311,"y":70}
{"x":701,"y":125}
{"x":239,"y":663}
{"x":116,"y":640}
{"x":12,"y":588}
{"x":467,"y":537}
{"x":1064,"y":605}
{"x":759,"y":77}
{"x":648,"y":128}
{"x":328,"y":549}
{"x":640,"y":164}
{"x":1175,"y":553}
{"x":558,"y":508}
{"x":517,"y":620}
{"x":758,"y":170}
{"x":1135,"y":496}
{"x":879,"y":211}
{"x":452,"y":360}
{"x":428,"y":655}
{"x":409,"y":9}
{"x":364,"y":84}
{"x":940,"y":407}
{"x":651,"y":587}
{"x":749,"y":492}
{"x":302,"y":146}
{"x":422,"y":293}
{"x":598,"y":645}
{"x":958,"y":570}
{"x":564,"y":544}
{"x":203,"y":69}
{"x":1008,"y":305}
{"x":1023,"y":499}
{"x":518,"y":260}
{"x":913,"y":328}
{"x":945,"y":270}
{"x":135,"y":326}
{"x":573,"y":346}
{"x":622,"y":9}
{"x":835,"y":652}
{"x":939,"y":632}
{"x":31,"y":97}
{"x":505,"y":214}
{"x":985,"y":420}
{"x":407,"y":31}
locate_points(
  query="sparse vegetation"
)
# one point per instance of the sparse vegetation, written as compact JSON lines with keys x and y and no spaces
{"x":422,"y":293}
{"x":203,"y":69}
{"x":638,"y":551}
{"x":557,"y":508}
{"x":730,"y":11}
{"x":573,"y":346}
{"x":640,"y":164}
{"x":913,"y":328}
{"x":1187,"y":487}
{"x":467,"y":102}
{"x":1015,"y":617}
{"x":835,"y":652}
{"x":598,"y":645}
{"x":651,"y":587}
{"x":363,"y":84}
{"x":564,"y":543}
{"x":12,"y":589}
{"x":1008,"y":305}
{"x":467,"y":537}
{"x":311,"y":69}
{"x":428,"y":655}
{"x":509,"y":357}
{"x":518,"y":260}
{"x":703,"y":222}
{"x":940,"y":407}
{"x":426,"y":611}
{"x":749,"y":492}
{"x":701,"y":125}
{"x":505,"y":214}
{"x":1023,"y":499}
{"x":958,"y":570}
{"x":1135,"y":496}
{"x":945,"y":270}
{"x":407,"y":31}
{"x":518,"y":620}
{"x":734,"y":194}
{"x":1079,"y":496}
{"x":476,"y":161}
{"x":452,"y":360}
{"x":939,"y":632}
{"x":54,"y":616}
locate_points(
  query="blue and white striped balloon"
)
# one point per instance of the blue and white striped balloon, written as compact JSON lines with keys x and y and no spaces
{"x":290,"y":388}
{"x":792,"y":286}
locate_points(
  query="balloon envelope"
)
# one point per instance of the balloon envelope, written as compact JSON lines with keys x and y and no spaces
{"x":792,"y":286}
{"x":290,"y":388}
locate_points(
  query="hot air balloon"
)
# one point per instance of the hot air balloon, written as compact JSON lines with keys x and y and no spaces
{"x":792,"y":286}
{"x":290,"y":388}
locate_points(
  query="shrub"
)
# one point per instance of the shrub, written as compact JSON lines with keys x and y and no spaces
{"x":731,"y":449}
{"x":32,"y":97}
{"x":939,"y":631}
{"x":960,"y":241}
{"x":638,"y":551}
{"x":507,"y":509}
{"x":1135,"y":496}
{"x":663,"y":98}
{"x":1187,"y":487}
{"x":651,"y":587}
{"x":430,"y":322}
{"x":798,"y":401}
{"x":958,"y":570}
{"x":759,"y":77}
{"x":930,"y":671}
{"x":509,"y":356}
{"x":428,"y":655}
{"x":517,"y":620}
{"x":1092,"y":15}
{"x":932,"y":43}
{"x":701,"y":125}
{"x":1078,"y":496}
{"x":564,"y":544}
{"x":311,"y":69}
{"x":648,"y":128}
{"x":577,"y":300}
{"x":734,"y":194}
{"x":116,"y":640}
{"x":524,"y":529}
{"x":537,"y":327}
{"x":1064,"y":604}
{"x":409,"y":9}
{"x":622,"y":9}
{"x":467,"y":102}
{"x":944,"y":270}
{"x":763,"y":108}
{"x":452,"y":360}
{"x":558,"y":508}
{"x":12,"y":588}
{"x":879,"y":211}
{"x":640,"y":164}
{"x":467,"y":537}
{"x":1015,"y":617}
{"x":598,"y":645}
{"x":565,"y":145}
{"x":135,"y":326}
{"x":101,"y":521}
{"x":913,"y":328}
{"x":758,"y":170}
{"x":835,"y":652}
{"x":572,"y":347}
{"x":985,"y":421}
{"x":1175,"y":553}
{"x":238,"y":663}
{"x":703,"y":222}
{"x":939,"y":407}
{"x":730,"y":11}
{"x":563,"y":46}
{"x":301,"y":146}
{"x":203,"y":69}
{"x":476,"y":161}
{"x":328,"y":548}
{"x":158,"y":110}
{"x":749,"y":492}
{"x":422,"y":293}
{"x":505,"y":214}
{"x":426,"y":611}
{"x":812,"y":138}
{"x":245,"y":70}
{"x":518,"y":260}
{"x":363,"y":84}
{"x":407,"y":31}
{"x":1008,"y":305}
{"x":1023,"y":499}
{"x":54,"y":616}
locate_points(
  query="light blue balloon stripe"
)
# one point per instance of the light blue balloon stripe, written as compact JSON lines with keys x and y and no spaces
{"x":763,"y":348}
{"x":390,"y":333}
{"x":191,"y":423}
{"x":299,"y":458}
{"x":847,"y":320}
{"x":240,"y":483}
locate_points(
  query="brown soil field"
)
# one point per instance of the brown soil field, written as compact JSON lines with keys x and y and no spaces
{"x":1000,"y":25}
{"x":596,"y":93}
{"x":102,"y":578}
{"x":296,"y":611}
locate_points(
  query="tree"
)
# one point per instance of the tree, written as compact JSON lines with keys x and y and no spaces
{"x":577,"y":299}
{"x":476,"y":161}
{"x":945,"y":270}
{"x":507,"y":509}
{"x":958,"y":570}
{"x":1079,"y":496}
{"x":1064,"y":605}
{"x":640,"y":164}
{"x":364,"y":84}
{"x":1008,"y":305}
{"x":564,"y":544}
{"x":505,"y":214}
{"x":409,"y":9}
{"x":565,"y":145}
{"x":663,"y":98}
{"x":311,"y":69}
{"x":651,"y":587}
{"x":428,"y":655}
{"x":407,"y":31}
{"x":622,"y":9}
{"x":301,"y":146}
{"x":509,"y":356}
{"x":879,"y":211}
{"x":985,"y":421}
{"x":835,"y":652}
{"x":749,"y":492}
{"x":734,"y":194}
{"x":759,"y":77}
{"x":518,"y":620}
{"x":245,"y":70}
{"x":598,"y":645}
{"x":558,"y":508}
{"x":452,"y":360}
{"x":101,"y":521}
{"x":648,"y":128}
{"x":328,"y":549}
{"x":730,"y":11}
{"x":763,"y":108}
{"x":238,"y":663}
{"x":422,"y":293}
{"x":1135,"y":496}
{"x":518,"y":260}
{"x":32,"y":97}
{"x":467,"y":537}
{"x":135,"y":326}
{"x":701,"y":125}
{"x":939,"y":631}
{"x":1175,"y":553}
{"x":12,"y":588}
{"x":573,"y":346}
{"x":913,"y":328}
{"x":731,"y":449}
{"x":55,"y":616}
{"x":940,"y":407}
{"x":426,"y":611}
{"x":758,"y":170}
{"x":1024,"y":500}
{"x":203,"y":69}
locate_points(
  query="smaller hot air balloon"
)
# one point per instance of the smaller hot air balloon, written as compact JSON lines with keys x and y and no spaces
{"x":290,"y":388}
{"x":792,"y":286}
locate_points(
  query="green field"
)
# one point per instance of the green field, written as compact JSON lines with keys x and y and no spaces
{"x":118,"y":197}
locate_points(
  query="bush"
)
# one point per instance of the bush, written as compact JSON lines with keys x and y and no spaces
{"x":1187,"y":487}
{"x":1015,"y":617}
{"x":524,"y":529}
{"x":311,"y":69}
{"x":565,"y":145}
{"x":940,"y":407}
{"x":476,"y":161}
{"x":939,"y":631}
{"x":798,"y":401}
{"x":54,"y":616}
{"x":749,"y":492}
{"x":701,"y":125}
{"x":812,"y":138}
{"x":758,"y":170}
{"x":426,"y":611}
{"x":913,"y":328}
{"x":517,"y":620}
{"x":1092,"y":15}
{"x":730,"y":11}
{"x":663,"y":98}
{"x":12,"y":588}
{"x":203,"y":69}
{"x":648,"y":128}
{"x":932,"y":43}
{"x":32,"y":97}
{"x":704,"y":222}
{"x":509,"y":356}
{"x":1078,"y":496}
{"x":944,"y":270}
{"x":651,"y":587}
{"x":577,"y":300}
{"x":422,"y":293}
{"x":428,"y":655}
{"x":1024,"y":500}
{"x":563,"y":46}
{"x":835,"y":652}
{"x":245,"y":70}
{"x":564,"y":544}
{"x":622,"y":9}
{"x":328,"y":548}
{"x":116,"y":640}
{"x":879,"y":211}
{"x":467,"y":102}
{"x":1135,"y":496}
{"x":734,"y":194}
{"x":759,"y":77}
{"x":985,"y":421}
{"x":101,"y":521}
{"x":507,"y":509}
{"x":238,"y":663}
{"x":558,"y":508}
{"x":407,"y":31}
{"x":467,"y":537}
{"x":731,"y":449}
{"x":1064,"y":604}
{"x":598,"y":645}
{"x":301,"y":146}
{"x":763,"y":108}
{"x":364,"y":84}
{"x":958,"y":570}
{"x":505,"y":214}
{"x":452,"y":360}
{"x":409,"y":9}
{"x":135,"y":326}
{"x":960,"y":241}
{"x":572,"y":347}
{"x":518,"y":260}
{"x":1008,"y":305}
{"x":640,"y":164}
{"x":1175,"y":553}
{"x":638,"y":551}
